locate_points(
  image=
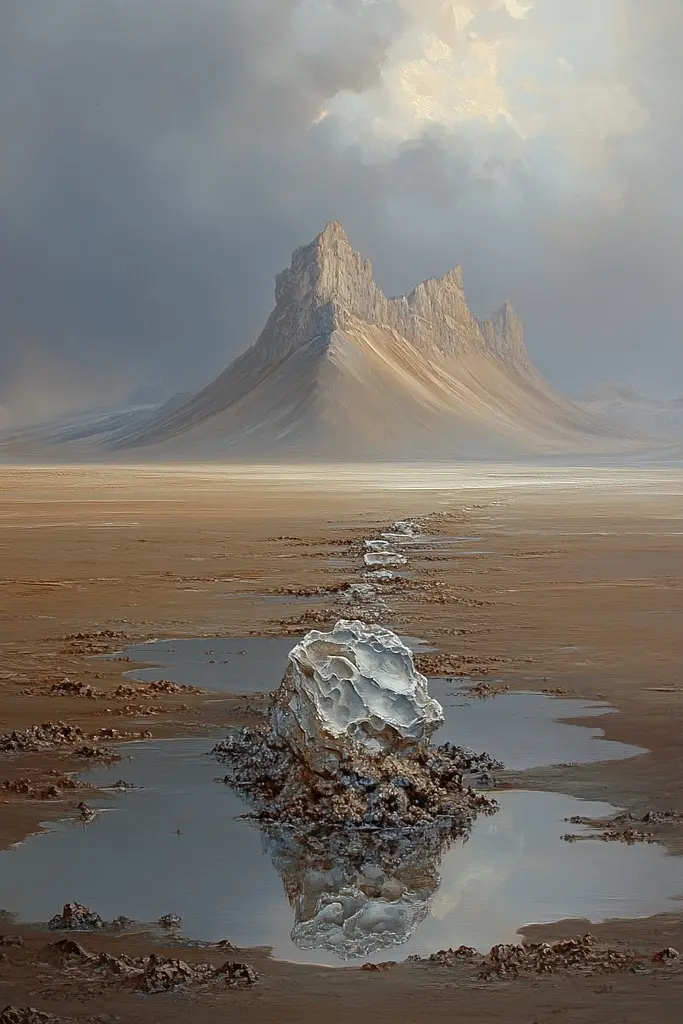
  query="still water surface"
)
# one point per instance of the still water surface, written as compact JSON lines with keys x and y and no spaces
{"x":175,"y":844}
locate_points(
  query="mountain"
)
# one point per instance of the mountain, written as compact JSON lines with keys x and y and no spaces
{"x":621,"y":405}
{"x":88,"y":431}
{"x":341,"y":370}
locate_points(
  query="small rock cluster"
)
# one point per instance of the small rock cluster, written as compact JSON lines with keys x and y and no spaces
{"x":583,"y":954}
{"x":41,"y":737}
{"x":102,"y":634}
{"x":127,"y":692}
{"x":649,"y":818}
{"x":630,"y":836}
{"x":50,"y":735}
{"x":482,"y":690}
{"x":154,"y":973}
{"x":53,"y":790}
{"x":29,"y":1015}
{"x":67,"y":688}
{"x":170,"y":921}
{"x":620,"y":829}
{"x":77,"y":918}
{"x":385,"y":792}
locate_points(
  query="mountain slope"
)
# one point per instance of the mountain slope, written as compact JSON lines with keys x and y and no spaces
{"x":622,"y":406}
{"x":340,"y":369}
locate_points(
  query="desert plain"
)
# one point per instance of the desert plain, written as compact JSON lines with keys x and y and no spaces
{"x":576,"y":589}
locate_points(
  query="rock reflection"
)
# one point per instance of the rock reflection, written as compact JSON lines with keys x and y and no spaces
{"x":355,"y":895}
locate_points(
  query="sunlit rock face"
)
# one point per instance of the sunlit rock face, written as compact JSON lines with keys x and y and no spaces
{"x":354,"y":687}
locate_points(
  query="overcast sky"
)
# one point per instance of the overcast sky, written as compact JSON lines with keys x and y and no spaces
{"x":160,"y":160}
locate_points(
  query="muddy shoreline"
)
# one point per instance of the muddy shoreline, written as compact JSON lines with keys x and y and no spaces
{"x":580,"y":594}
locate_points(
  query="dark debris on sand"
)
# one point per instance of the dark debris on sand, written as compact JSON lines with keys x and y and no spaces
{"x":581,"y":955}
{"x":389,"y":791}
{"x":153,"y":973}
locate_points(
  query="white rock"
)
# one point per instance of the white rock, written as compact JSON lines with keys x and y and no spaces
{"x":407,"y":527}
{"x":377,"y":545}
{"x":355,"y":686}
{"x":403,"y":530}
{"x":384,"y":558}
{"x":381,"y":575}
{"x":359,"y":592}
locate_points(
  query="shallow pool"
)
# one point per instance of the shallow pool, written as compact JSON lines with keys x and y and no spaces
{"x":175,"y":844}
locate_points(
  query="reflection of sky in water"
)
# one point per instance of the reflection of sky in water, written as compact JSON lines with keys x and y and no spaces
{"x":521,"y":729}
{"x":220,"y":878}
{"x":217,"y":664}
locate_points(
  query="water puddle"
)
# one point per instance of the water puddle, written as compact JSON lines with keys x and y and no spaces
{"x":524,"y":730}
{"x":222,"y":664}
{"x":175,"y":844}
{"x":219,"y":664}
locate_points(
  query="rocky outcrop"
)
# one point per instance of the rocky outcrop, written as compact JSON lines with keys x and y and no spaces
{"x":504,"y":337}
{"x":329,"y":275}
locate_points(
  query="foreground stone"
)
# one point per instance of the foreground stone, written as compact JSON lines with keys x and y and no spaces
{"x":354,"y":687}
{"x":348,"y":742}
{"x":354,"y":802}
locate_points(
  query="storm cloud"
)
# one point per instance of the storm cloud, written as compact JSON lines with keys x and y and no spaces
{"x":160,"y":161}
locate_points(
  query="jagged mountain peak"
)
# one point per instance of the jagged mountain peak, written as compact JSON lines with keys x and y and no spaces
{"x":332,"y":233}
{"x":329,"y":284}
{"x":328,"y":270}
{"x":451,"y":279}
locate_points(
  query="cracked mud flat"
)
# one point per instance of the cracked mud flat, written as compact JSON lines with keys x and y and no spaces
{"x":584,"y":581}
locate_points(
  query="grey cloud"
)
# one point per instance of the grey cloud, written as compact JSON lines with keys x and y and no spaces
{"x":159,"y":166}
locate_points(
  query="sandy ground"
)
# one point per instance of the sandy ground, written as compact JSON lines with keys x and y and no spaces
{"x":579,"y":588}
